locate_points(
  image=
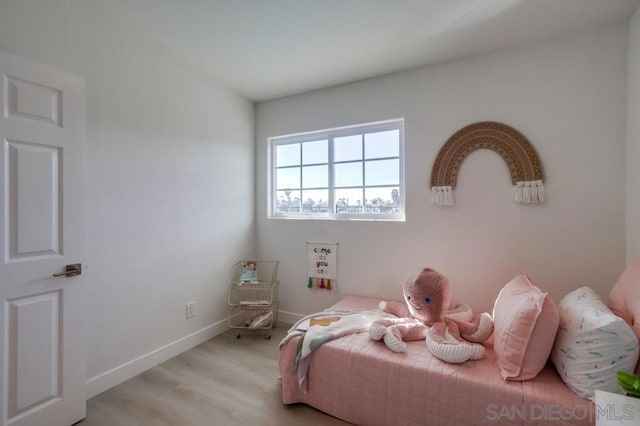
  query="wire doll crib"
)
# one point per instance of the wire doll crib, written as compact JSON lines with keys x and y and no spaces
{"x":253,"y":297}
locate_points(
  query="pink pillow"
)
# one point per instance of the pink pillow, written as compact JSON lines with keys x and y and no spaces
{"x":525,"y":325}
{"x":624,"y":299}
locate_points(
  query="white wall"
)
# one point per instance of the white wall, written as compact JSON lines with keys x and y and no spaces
{"x":170,"y":194}
{"x":633,"y":141}
{"x":567,"y":96}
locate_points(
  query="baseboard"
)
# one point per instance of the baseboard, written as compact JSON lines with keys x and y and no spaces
{"x":119,"y":374}
{"x":289,"y":317}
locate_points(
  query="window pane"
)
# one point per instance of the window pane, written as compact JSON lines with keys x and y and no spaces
{"x":348,"y":174}
{"x":288,"y":178}
{"x":347,"y":148}
{"x":382,"y":144}
{"x":344,"y":173}
{"x":315,"y":201}
{"x":382,"y":200}
{"x":315,"y":152}
{"x":288,"y":155}
{"x":348,"y":201}
{"x":382,"y":172}
{"x":315,"y":176}
{"x":288,"y":202}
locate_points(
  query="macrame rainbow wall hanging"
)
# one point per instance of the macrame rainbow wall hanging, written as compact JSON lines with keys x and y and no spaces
{"x":521,"y":158}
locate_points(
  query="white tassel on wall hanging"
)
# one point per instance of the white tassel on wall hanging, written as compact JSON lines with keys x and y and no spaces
{"x":529,"y":192}
{"x":526,"y":192}
{"x":442,"y":195}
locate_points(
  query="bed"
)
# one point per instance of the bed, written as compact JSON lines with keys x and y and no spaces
{"x":360,"y":381}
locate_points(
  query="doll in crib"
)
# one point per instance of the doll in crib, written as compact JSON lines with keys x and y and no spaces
{"x":249,"y":273}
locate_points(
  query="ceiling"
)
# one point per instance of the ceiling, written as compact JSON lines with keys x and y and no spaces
{"x":265,"y":49}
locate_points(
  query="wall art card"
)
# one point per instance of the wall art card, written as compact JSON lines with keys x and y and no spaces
{"x":322,"y":265}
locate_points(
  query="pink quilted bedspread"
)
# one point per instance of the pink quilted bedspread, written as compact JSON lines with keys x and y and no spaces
{"x":361,"y":381}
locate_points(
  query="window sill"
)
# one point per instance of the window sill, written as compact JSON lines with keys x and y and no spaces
{"x":341,"y":218}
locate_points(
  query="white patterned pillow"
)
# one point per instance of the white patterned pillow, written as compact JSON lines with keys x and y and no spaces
{"x":592,"y":343}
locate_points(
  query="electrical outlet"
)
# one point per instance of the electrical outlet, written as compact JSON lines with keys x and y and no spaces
{"x":191,"y":309}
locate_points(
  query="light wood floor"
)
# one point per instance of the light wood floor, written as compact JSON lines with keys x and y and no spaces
{"x":224,"y":381}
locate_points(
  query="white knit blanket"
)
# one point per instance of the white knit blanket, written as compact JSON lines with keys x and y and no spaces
{"x":322,"y":327}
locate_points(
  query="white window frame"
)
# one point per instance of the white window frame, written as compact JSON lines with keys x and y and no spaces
{"x":330,"y":135}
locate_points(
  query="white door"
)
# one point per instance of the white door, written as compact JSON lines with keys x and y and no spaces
{"x":42,"y":220}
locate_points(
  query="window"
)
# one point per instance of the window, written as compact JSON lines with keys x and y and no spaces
{"x":352,"y":172}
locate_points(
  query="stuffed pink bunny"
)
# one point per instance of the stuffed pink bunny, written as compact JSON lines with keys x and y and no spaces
{"x":451,"y":335}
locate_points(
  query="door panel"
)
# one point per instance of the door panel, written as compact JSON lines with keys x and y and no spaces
{"x":33,"y":101}
{"x":34,"y":364}
{"x":33,"y":199}
{"x":42,"y":221}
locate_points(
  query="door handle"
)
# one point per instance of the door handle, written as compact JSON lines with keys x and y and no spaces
{"x":70,"y":270}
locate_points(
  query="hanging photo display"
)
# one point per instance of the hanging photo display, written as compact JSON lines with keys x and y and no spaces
{"x":322,"y":265}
